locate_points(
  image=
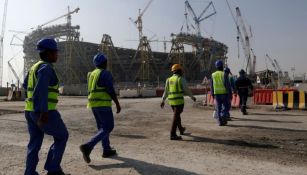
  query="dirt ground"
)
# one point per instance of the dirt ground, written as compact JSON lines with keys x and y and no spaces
{"x":265,"y":142}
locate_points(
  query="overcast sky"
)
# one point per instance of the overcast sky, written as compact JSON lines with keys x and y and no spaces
{"x":279,"y":27}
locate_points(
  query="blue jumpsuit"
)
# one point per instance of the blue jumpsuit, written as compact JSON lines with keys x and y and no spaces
{"x":223,"y":104}
{"x":103,"y":115}
{"x":55,"y":126}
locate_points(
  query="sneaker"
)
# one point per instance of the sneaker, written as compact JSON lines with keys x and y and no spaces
{"x":86,"y":153}
{"x":109,"y":153}
{"x":175,"y":137}
{"x":57,"y":173}
{"x":182,"y":131}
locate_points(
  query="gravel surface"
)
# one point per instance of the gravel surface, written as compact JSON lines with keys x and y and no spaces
{"x":263,"y":142}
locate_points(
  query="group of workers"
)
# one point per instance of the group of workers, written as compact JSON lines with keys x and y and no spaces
{"x":41,"y":85}
{"x":224,"y":86}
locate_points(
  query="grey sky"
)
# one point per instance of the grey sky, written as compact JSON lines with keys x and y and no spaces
{"x":279,"y":26}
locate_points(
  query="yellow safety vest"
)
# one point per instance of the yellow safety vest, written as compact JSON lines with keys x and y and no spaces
{"x":175,"y":91}
{"x":97,"y":96}
{"x":53,"y":91}
{"x":218,"y":83}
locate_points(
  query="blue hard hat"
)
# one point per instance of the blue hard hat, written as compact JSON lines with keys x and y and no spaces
{"x":46,"y":44}
{"x":99,"y":59}
{"x":219,"y":64}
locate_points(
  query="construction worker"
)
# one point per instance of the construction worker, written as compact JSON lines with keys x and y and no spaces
{"x":100,"y":95}
{"x":220,"y":89}
{"x":243,"y":83}
{"x":175,"y":88}
{"x":41,"y":85}
{"x":231,"y":92}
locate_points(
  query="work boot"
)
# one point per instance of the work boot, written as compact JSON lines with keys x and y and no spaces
{"x":86,"y":153}
{"x":244,"y":113}
{"x":182,"y":130}
{"x":175,"y":137}
{"x":108,"y":153}
{"x":223,"y":122}
{"x":57,"y":173}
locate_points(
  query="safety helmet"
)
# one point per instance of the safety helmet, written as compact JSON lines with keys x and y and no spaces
{"x":219,"y":64}
{"x":47,"y":44}
{"x":176,"y":67}
{"x":242,"y":71}
{"x":99,"y":59}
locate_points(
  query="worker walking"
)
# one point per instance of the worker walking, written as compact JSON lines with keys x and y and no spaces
{"x":41,"y":85}
{"x":243,"y":83}
{"x":175,"y":89}
{"x":100,"y":95}
{"x":220,"y":89}
{"x":231,"y":92}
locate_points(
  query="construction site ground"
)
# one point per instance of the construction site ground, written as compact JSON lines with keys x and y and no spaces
{"x":265,"y":142}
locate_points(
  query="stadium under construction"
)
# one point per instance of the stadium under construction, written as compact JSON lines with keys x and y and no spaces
{"x":130,"y":67}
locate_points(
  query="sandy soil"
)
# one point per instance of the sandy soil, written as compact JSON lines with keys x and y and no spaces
{"x":264,"y":142}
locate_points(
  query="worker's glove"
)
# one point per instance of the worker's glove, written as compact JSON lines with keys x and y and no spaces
{"x":162,"y":104}
{"x":43,"y":119}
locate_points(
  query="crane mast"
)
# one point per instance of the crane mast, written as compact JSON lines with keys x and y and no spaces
{"x":139,"y":22}
{"x":1,"y":40}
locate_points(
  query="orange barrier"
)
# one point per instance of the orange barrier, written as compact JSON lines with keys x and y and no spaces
{"x":263,"y":96}
{"x":210,"y":101}
{"x":235,"y":102}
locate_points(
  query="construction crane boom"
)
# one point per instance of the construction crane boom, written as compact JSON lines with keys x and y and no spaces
{"x":277,"y":69}
{"x":1,"y":40}
{"x":148,"y":4}
{"x":245,"y":41}
{"x":200,"y":18}
{"x":55,"y":19}
{"x":14,"y":72}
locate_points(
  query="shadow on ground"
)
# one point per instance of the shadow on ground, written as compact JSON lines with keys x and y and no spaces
{"x":269,"y":121}
{"x":131,"y":136}
{"x":229,"y":142}
{"x":276,"y":114}
{"x":143,"y":168}
{"x":267,"y":128}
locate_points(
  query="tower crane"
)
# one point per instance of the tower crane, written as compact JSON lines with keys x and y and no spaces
{"x":201,"y":17}
{"x":1,"y":39}
{"x":68,"y":15}
{"x":244,"y":37}
{"x":139,"y":22}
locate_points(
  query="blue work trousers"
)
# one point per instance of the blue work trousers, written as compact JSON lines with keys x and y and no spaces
{"x":105,"y":124}
{"x":222,"y":106}
{"x":54,"y":127}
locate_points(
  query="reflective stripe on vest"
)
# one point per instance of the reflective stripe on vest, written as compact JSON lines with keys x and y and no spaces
{"x":218,"y":83}
{"x":175,"y":91}
{"x":97,"y":96}
{"x":53,"y":91}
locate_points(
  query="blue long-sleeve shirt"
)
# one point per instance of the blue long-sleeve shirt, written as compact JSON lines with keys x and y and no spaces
{"x":46,"y":76}
{"x":226,"y":84}
{"x":106,"y":80}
